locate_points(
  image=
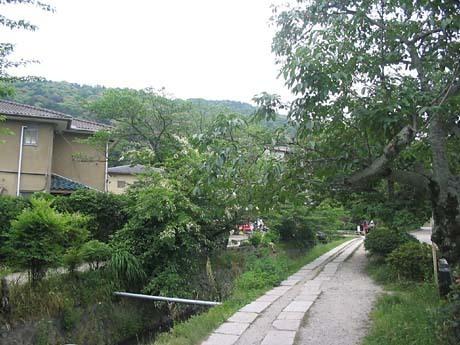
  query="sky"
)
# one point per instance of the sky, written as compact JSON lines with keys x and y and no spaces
{"x":213,"y":49}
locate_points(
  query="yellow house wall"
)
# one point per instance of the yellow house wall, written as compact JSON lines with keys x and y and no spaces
{"x":36,"y":160}
{"x":113,"y":182}
{"x":90,"y":170}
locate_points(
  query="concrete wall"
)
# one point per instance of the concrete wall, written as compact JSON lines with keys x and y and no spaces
{"x":36,"y":160}
{"x":89,"y":170}
{"x":113,"y":182}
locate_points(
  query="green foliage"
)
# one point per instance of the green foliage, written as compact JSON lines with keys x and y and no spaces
{"x":263,"y":272}
{"x":175,"y":281}
{"x":300,"y":223}
{"x":382,"y":241}
{"x":95,"y":252}
{"x":256,"y":239}
{"x":367,"y":124}
{"x":6,"y":49}
{"x":70,"y":316}
{"x":412,"y":261}
{"x":106,"y":211}
{"x":449,"y":323}
{"x":125,"y":266}
{"x":39,"y":236}
{"x":10,"y":208}
{"x":406,"y":317}
{"x":72,"y":259}
{"x":164,"y":234}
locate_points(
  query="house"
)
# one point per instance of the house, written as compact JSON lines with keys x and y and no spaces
{"x":42,"y":151}
{"x":121,"y":177}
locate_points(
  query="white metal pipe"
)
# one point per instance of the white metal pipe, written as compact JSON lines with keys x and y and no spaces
{"x":166,"y":299}
{"x":106,"y":176}
{"x":21,"y":144}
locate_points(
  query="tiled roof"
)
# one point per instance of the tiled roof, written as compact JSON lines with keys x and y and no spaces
{"x":127,"y":169}
{"x":17,"y":109}
{"x":133,"y":169}
{"x":87,"y":125}
{"x":61,"y":183}
{"x":13,"y":108}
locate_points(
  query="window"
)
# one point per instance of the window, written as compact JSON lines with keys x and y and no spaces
{"x":31,"y":136}
{"x":121,"y":184}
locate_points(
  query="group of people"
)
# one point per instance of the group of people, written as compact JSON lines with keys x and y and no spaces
{"x":365,"y":227}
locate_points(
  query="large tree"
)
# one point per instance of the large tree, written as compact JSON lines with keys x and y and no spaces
{"x":377,"y":86}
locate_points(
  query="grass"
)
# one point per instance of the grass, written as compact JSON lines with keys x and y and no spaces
{"x":250,"y":285}
{"x":405,"y":316}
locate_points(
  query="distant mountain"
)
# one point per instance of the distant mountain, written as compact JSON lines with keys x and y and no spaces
{"x":72,"y":98}
{"x":234,"y":106}
{"x":69,"y":98}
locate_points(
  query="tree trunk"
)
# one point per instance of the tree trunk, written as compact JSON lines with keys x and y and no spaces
{"x":445,"y":197}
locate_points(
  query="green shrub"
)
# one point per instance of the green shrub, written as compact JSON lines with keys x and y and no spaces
{"x":292,"y":227}
{"x":271,"y":237}
{"x":107,"y":211}
{"x":448,"y":328}
{"x":39,"y":237}
{"x":70,"y":316}
{"x":125,"y":266}
{"x":382,"y":241}
{"x":10,"y":208}
{"x":256,"y":239}
{"x":72,"y":259}
{"x":94,"y":253}
{"x":263,"y":272}
{"x":412,"y":261}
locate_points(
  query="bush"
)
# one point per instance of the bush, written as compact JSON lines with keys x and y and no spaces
{"x":94,"y":253}
{"x":107,"y":211}
{"x":300,"y":223}
{"x":412,"y":261}
{"x":39,"y":237}
{"x":125,"y":266}
{"x":72,"y":259}
{"x":382,"y":241}
{"x":292,"y":228}
{"x":263,"y":272}
{"x":10,"y":208}
{"x":449,"y":323}
{"x":256,"y":239}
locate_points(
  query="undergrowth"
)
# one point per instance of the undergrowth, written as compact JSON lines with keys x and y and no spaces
{"x":408,"y":314}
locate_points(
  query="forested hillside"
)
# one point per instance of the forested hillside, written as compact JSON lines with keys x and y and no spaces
{"x":73,"y":99}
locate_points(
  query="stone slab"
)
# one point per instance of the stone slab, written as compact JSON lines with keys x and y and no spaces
{"x":287,"y":325}
{"x":306,"y":297}
{"x":267,"y":298}
{"x":279,"y":291}
{"x":221,"y":339}
{"x":279,"y":338}
{"x":297,"y":276}
{"x":301,"y":307}
{"x":235,"y":328}
{"x":290,"y":315}
{"x":243,"y":317}
{"x":255,"y":307}
{"x":289,"y":282}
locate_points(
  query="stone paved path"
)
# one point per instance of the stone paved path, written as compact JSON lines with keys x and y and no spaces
{"x":340,"y":316}
{"x":276,"y":317}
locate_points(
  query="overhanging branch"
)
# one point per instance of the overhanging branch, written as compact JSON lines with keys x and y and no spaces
{"x":379,"y":167}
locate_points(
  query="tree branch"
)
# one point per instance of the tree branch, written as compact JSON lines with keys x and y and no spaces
{"x":379,"y":167}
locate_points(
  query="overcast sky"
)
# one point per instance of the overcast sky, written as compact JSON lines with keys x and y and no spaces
{"x":214,"y":49}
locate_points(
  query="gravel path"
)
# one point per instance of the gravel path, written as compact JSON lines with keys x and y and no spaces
{"x":340,"y":316}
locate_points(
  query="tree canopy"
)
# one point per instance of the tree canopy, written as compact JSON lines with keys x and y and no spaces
{"x":377,"y":88}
